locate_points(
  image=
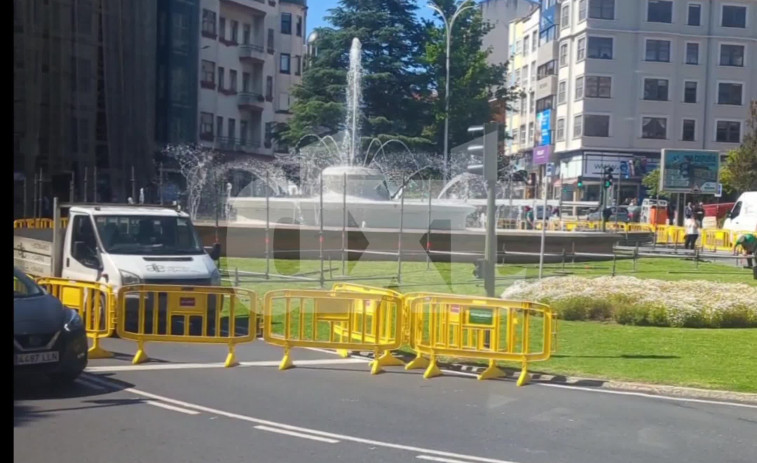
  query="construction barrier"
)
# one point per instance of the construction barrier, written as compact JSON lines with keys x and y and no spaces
{"x":95,"y":304}
{"x":333,"y":319}
{"x":203,"y":314}
{"x":479,"y":328}
{"x":38,"y":223}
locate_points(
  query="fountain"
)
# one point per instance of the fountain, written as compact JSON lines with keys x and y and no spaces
{"x":359,"y":194}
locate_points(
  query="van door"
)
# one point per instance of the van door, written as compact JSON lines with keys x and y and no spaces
{"x":80,"y":258}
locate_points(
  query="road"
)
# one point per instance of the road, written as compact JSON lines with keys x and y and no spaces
{"x":183,"y":407}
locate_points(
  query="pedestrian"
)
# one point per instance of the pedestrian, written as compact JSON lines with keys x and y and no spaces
{"x":699,"y":214}
{"x":688,"y":211}
{"x":529,"y":218}
{"x":692,"y":233}
{"x":748,"y":244}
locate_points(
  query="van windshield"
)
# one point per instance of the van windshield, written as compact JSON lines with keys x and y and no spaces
{"x":148,"y":235}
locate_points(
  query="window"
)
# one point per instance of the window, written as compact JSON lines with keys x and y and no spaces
{"x":245,"y":81}
{"x":600,"y":47}
{"x":243,"y":132}
{"x":518,"y":47}
{"x":544,"y":104}
{"x":232,"y":129}
{"x":690,"y":92}
{"x":534,"y":41}
{"x":602,"y":9}
{"x":695,"y":15}
{"x":298,"y":27}
{"x":269,"y":88}
{"x":523,"y":106}
{"x":689,"y":130}
{"x":234,"y":31}
{"x":659,"y":11}
{"x":220,"y":78}
{"x":515,"y":135}
{"x":733,"y":16}
{"x":222,"y":28}
{"x":563,"y":55}
{"x":208,"y":71}
{"x":656,"y":89}
{"x":655,"y":128}
{"x":206,"y":125}
{"x":692,"y":53}
{"x":581,"y":10}
{"x":581,"y":49}
{"x":284,"y":63}
{"x":545,"y":70}
{"x":522,"y":134}
{"x":658,"y":50}
{"x":83,"y":242}
{"x":579,"y":88}
{"x":561,"y":92}
{"x":526,"y":43}
{"x":233,"y":80}
{"x":270,"y":41}
{"x":208,"y":23}
{"x":560,"y":129}
{"x":565,"y":18}
{"x":598,"y":87}
{"x":729,"y":93}
{"x":219,"y":126}
{"x":297,"y":65}
{"x":728,"y":132}
{"x":578,"y":126}
{"x":533,"y":72}
{"x":286,"y":23}
{"x":596,"y":125}
{"x":530,"y":132}
{"x":732,"y":55}
{"x":246,"y":34}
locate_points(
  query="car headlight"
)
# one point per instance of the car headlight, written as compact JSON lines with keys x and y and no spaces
{"x":74,"y":322}
{"x":128,"y":278}
{"x":215,"y":278}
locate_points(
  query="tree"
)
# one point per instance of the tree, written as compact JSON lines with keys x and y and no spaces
{"x":473,"y":81}
{"x":652,"y":182}
{"x":740,"y":170}
{"x":395,"y":87}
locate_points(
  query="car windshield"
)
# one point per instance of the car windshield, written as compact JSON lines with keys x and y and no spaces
{"x":23,"y":286}
{"x":148,"y":235}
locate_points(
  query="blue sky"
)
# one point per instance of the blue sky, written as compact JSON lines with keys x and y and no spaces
{"x":318,"y":9}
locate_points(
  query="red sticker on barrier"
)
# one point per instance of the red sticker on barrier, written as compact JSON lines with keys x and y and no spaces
{"x":186,"y":302}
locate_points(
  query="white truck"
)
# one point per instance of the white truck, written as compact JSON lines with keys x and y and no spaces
{"x":743,"y":215}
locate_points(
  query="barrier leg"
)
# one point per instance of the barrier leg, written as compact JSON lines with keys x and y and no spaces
{"x":524,"y":377}
{"x":140,"y":356}
{"x":491,"y":372}
{"x":231,"y":357}
{"x":418,"y":363}
{"x":386,"y":359}
{"x":286,"y":362}
{"x":344,"y":353}
{"x":433,"y":369}
{"x":97,"y":352}
{"x":376,"y":365}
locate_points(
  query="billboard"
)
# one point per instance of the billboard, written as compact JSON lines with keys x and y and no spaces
{"x":689,"y":171}
{"x":544,"y":127}
{"x":541,"y":155}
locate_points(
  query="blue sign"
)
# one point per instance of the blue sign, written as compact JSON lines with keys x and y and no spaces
{"x":624,"y":169}
{"x":689,"y":171}
{"x":544,"y":124}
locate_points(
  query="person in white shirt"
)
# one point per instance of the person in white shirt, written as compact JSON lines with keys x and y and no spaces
{"x":692,"y":232}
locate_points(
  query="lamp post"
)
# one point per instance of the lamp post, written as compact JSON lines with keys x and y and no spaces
{"x":448,"y":24}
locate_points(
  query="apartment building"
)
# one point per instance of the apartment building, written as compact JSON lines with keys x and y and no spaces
{"x":250,"y":57}
{"x":638,"y":76}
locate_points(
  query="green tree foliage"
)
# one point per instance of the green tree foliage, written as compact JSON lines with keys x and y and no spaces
{"x":652,"y":182}
{"x":395,"y":89}
{"x":473,"y":81}
{"x":740,"y":170}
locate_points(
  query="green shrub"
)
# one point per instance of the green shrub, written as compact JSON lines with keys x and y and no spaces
{"x":739,"y":317}
{"x":574,"y":308}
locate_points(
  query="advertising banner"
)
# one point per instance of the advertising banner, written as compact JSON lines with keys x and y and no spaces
{"x":544,"y":126}
{"x":689,"y":171}
{"x":541,"y":155}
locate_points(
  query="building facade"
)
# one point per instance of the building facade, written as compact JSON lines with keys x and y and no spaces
{"x":250,"y":57}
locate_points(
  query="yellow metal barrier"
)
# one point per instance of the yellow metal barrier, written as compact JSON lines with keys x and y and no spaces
{"x":38,"y":223}
{"x":481,"y":328}
{"x":95,"y":304}
{"x":336,"y":319}
{"x":148,"y":313}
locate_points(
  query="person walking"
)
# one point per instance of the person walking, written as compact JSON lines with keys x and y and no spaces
{"x":699,"y":214}
{"x":692,"y":232}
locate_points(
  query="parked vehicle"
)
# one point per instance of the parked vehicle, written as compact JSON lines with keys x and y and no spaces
{"x":743,"y":215}
{"x":620,"y":211}
{"x":48,"y":338}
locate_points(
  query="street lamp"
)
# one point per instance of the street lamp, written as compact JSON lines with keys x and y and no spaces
{"x":448,"y":28}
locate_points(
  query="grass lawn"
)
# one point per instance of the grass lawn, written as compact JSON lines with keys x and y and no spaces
{"x":720,"y":359}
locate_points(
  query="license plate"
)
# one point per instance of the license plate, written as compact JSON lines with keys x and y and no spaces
{"x":36,"y":357}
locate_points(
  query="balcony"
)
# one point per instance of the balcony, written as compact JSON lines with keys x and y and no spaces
{"x":252,"y":53}
{"x":237,"y":145}
{"x":251,"y":100}
{"x":545,"y":86}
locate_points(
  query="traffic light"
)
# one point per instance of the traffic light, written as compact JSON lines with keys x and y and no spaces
{"x":608,"y":177}
{"x":580,"y":183}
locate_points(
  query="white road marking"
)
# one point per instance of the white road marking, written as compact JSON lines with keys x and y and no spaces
{"x":444,"y":460}
{"x":190,"y":366}
{"x":171,"y":407}
{"x":297,"y":434}
{"x":258,"y":421}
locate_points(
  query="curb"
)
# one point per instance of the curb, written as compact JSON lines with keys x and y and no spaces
{"x":661,"y":390}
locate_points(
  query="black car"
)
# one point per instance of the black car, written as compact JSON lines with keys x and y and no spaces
{"x":48,"y":338}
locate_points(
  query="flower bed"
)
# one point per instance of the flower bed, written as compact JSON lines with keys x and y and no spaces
{"x":629,"y":300}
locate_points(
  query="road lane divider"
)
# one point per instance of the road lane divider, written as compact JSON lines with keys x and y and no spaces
{"x":296,"y":434}
{"x":174,"y":408}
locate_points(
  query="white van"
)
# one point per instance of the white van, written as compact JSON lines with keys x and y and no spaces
{"x":743,"y":216}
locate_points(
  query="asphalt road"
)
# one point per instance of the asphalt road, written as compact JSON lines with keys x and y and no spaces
{"x":182,"y":407}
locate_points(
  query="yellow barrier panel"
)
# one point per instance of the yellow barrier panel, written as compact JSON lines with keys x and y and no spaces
{"x":95,"y":304}
{"x":481,"y":328}
{"x":341,"y":320}
{"x":38,"y":223}
{"x":148,"y":313}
